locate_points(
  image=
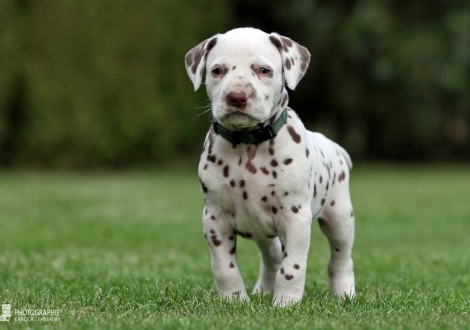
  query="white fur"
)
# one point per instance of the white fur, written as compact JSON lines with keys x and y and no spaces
{"x":269,"y":192}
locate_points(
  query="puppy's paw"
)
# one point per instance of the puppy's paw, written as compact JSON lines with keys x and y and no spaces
{"x":236,"y":295}
{"x":285,"y":301}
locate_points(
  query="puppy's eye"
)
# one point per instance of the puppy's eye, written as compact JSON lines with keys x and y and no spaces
{"x":265,"y":71}
{"x":217,"y":71}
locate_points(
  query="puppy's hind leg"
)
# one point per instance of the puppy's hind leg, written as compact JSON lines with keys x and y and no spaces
{"x":337,"y":223}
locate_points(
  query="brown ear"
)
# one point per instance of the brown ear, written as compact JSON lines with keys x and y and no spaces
{"x":295,"y":58}
{"x":195,"y":60}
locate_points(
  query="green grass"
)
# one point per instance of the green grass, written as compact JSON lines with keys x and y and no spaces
{"x":126,"y":251}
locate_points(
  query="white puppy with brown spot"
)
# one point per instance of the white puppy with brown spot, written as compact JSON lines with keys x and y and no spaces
{"x":263,"y":175}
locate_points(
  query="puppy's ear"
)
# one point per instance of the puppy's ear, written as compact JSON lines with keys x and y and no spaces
{"x":195,"y":60}
{"x":295,"y":58}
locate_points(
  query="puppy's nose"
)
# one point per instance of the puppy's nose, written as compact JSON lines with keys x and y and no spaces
{"x":237,"y":99}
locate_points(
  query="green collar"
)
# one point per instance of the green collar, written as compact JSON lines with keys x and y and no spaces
{"x":252,"y":137}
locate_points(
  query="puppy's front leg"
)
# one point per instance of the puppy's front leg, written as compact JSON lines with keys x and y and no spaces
{"x":222,"y":245}
{"x":295,"y":239}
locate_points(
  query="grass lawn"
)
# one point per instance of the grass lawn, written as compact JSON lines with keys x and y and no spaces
{"x":126,"y":251}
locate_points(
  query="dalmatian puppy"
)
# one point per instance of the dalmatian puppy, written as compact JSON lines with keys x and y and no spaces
{"x":263,"y":176}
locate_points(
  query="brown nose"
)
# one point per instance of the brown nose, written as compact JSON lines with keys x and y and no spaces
{"x":237,"y":99}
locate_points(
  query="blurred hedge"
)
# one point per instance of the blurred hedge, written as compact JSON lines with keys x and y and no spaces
{"x":388,"y":79}
{"x":102,"y":83}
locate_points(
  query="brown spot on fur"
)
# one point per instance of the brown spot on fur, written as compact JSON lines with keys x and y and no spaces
{"x":220,"y":162}
{"x":242,"y":183}
{"x":215,"y":241}
{"x":232,"y":265}
{"x":352,"y":213}
{"x":274,"y":174}
{"x":274,"y":163}
{"x":287,"y":161}
{"x":212,"y":231}
{"x":307,"y":152}
{"x":296,"y":266}
{"x":233,"y":250}
{"x":264,"y":199}
{"x":240,"y":161}
{"x":264,"y":170}
{"x":332,"y":203}
{"x":294,"y":209}
{"x":285,"y":254}
{"x":314,"y":190}
{"x":231,"y":238}
{"x":287,"y":64}
{"x":211,"y":45}
{"x":287,"y":42}
{"x":322,"y":202}
{"x":195,"y":56}
{"x":245,"y":195}
{"x":251,"y":153}
{"x":282,"y":270}
{"x":250,"y":167}
{"x":337,"y":250}
{"x":213,"y":217}
{"x":296,"y":137}
{"x":211,"y":158}
{"x":226,"y":171}
{"x":274,"y":209}
{"x":286,"y":193}
{"x":232,"y":183}
{"x":342,"y":177}
{"x":289,"y":277}
{"x":276,"y":42}
{"x":321,"y":179}
{"x":271,"y":151}
{"x":273,"y":193}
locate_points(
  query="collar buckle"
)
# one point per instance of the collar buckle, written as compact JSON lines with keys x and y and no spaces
{"x":263,"y":134}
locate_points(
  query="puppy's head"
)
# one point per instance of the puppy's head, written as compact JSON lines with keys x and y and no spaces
{"x":245,"y":74}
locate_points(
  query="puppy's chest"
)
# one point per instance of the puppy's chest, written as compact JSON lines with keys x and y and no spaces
{"x":252,"y":185}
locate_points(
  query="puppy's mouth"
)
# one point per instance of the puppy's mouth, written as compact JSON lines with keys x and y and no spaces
{"x":238,"y":114}
{"x":238,"y":118}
